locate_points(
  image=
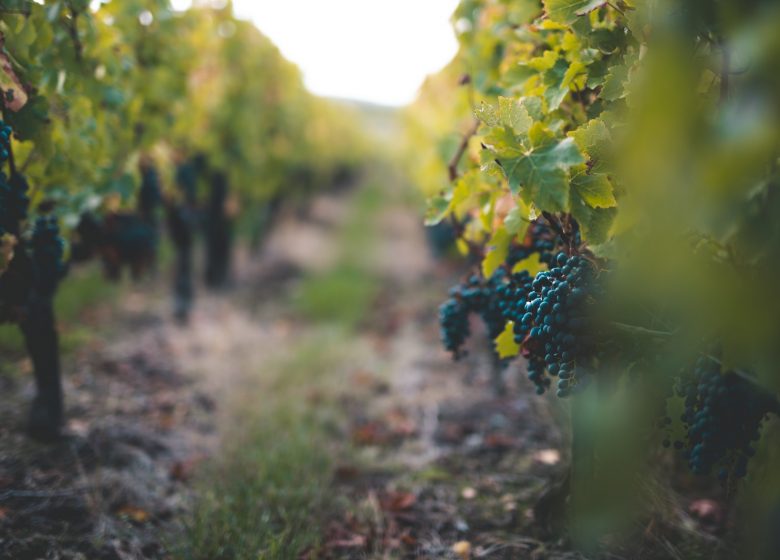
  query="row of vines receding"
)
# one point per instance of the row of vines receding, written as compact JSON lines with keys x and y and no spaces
{"x":121,"y":116}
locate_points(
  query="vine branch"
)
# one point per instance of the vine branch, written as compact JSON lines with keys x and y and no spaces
{"x":74,"y":32}
{"x":464,"y":143}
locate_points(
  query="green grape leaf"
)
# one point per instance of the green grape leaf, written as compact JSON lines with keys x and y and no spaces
{"x":533,"y":105}
{"x":29,"y":123}
{"x":510,"y":113}
{"x":614,"y":87}
{"x":541,"y":175}
{"x":595,"y":190}
{"x":503,"y":142}
{"x":566,"y":11}
{"x":505,"y":344}
{"x":438,"y":208}
{"x":594,"y":140}
{"x":595,"y":223}
{"x":516,"y":223}
{"x":557,"y":88}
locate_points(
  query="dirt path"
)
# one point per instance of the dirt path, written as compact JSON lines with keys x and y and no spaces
{"x":432,"y":460}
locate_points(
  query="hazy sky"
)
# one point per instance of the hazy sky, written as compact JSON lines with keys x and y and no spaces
{"x":372,"y":50}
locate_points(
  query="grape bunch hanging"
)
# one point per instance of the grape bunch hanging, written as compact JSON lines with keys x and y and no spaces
{"x":724,"y":413}
{"x":548,"y":312}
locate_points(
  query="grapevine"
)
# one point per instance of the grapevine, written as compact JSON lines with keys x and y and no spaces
{"x":608,"y":133}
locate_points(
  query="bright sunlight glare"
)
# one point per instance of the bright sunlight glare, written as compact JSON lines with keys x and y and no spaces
{"x":378,"y":51}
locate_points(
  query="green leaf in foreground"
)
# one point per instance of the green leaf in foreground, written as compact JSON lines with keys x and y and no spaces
{"x":595,"y":223}
{"x":541,"y":176}
{"x":595,"y":190}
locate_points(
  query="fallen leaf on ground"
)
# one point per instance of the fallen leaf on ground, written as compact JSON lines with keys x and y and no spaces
{"x":499,"y":441}
{"x":547,"y":456}
{"x":462,"y":549}
{"x":363,"y":378}
{"x":345,"y":473}
{"x":183,"y":470}
{"x":134,"y":513}
{"x":371,"y":433}
{"x":400,"y":423}
{"x":398,"y":501}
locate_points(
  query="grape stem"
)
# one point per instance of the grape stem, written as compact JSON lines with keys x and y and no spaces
{"x":633,"y":329}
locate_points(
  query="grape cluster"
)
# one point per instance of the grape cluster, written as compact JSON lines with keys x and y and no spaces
{"x":548,"y":312}
{"x":490,"y":299}
{"x":454,"y":325}
{"x":553,"y":327}
{"x":5,"y":141}
{"x":723,"y":416}
{"x":538,"y":240}
{"x":470,"y":297}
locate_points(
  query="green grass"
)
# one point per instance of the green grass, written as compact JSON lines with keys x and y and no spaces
{"x":343,"y":295}
{"x":266,"y":495}
{"x":266,"y":499}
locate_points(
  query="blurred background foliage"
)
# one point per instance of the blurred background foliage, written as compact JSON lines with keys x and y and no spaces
{"x":104,"y":84}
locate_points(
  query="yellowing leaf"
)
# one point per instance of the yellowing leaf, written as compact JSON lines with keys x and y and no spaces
{"x":462,"y":246}
{"x":532,"y":264}
{"x":544,"y":62}
{"x":574,"y":77}
{"x":499,"y":249}
{"x":551,"y":25}
{"x":595,"y":190}
{"x":506,"y":347}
